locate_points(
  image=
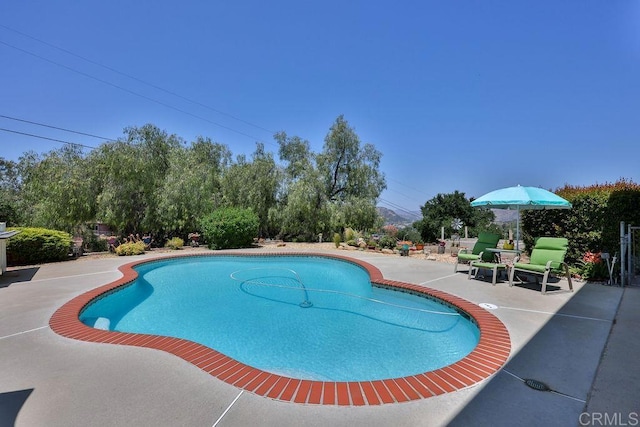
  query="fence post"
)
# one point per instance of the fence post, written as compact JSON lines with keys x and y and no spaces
{"x":623,"y":255}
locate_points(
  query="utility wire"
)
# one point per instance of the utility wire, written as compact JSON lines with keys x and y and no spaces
{"x":394,"y":205}
{"x":401,"y":194}
{"x":47,"y":138}
{"x":398,"y":207}
{"x":177,"y":95}
{"x":164,"y":104}
{"x":139,"y":95}
{"x":55,"y":127}
{"x":405,"y":185}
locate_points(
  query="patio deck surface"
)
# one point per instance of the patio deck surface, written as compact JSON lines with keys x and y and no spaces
{"x":568,"y":341}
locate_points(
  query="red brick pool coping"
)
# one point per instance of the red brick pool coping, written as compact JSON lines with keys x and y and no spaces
{"x":488,"y":357}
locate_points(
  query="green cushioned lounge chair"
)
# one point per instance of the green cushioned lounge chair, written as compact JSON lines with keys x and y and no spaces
{"x":485,"y":240}
{"x":547,"y":257}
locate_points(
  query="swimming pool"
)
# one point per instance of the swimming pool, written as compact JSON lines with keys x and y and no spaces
{"x":489,"y":355}
{"x":308,"y":317}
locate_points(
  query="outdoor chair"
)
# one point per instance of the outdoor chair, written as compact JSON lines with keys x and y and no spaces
{"x":146,"y":239}
{"x":485,"y":240}
{"x":547,"y":257}
{"x":77,"y":246}
{"x":495,"y":267}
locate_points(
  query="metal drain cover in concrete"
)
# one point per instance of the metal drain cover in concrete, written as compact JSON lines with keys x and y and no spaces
{"x":537,"y":385}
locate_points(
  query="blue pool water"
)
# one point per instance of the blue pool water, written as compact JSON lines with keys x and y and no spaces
{"x":304,"y":317}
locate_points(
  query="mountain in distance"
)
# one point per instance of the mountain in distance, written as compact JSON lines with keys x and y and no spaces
{"x":405,"y":218}
{"x":398,"y":219}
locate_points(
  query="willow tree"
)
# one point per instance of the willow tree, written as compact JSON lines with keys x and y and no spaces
{"x":351,"y":176}
{"x":132,"y":172}
{"x":192,"y":186}
{"x":347,"y":168}
{"x":58,"y":191}
{"x":336,"y":188}
{"x":10,"y":189}
{"x":253,"y":184}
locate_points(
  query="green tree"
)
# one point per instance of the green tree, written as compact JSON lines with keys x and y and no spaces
{"x":58,"y":191}
{"x":253,"y":185}
{"x":10,"y":190}
{"x":346,"y":168}
{"x":326,"y":192}
{"x":442,"y":209}
{"x":306,"y":214}
{"x":356,"y":212}
{"x":192,"y":187}
{"x":297,"y":154}
{"x":133,"y":171}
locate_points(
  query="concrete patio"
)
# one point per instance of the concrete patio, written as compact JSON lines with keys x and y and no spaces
{"x":582,"y":345}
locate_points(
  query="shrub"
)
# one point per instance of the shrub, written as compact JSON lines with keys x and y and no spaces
{"x":174,"y":243}
{"x":409,"y":233}
{"x":387,"y":242}
{"x":91,"y":241}
{"x":390,"y":230}
{"x":229,"y":228}
{"x":350,"y":234}
{"x":38,"y":245}
{"x":130,"y":248}
{"x":337,"y":238}
{"x":592,"y":267}
{"x":99,"y":244}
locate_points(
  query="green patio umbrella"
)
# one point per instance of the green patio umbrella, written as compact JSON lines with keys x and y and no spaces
{"x":521,"y":198}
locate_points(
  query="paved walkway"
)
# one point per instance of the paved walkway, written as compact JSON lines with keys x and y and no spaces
{"x":582,"y":345}
{"x":616,"y":390}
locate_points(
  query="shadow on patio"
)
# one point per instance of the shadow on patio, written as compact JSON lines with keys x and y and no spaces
{"x":10,"y":404}
{"x":562,"y":356}
{"x":18,"y":275}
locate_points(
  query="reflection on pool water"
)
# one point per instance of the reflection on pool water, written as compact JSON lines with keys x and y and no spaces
{"x":304,"y":317}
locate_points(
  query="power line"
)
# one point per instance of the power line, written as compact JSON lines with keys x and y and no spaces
{"x":164,"y":104}
{"x":398,"y":207}
{"x":141,"y":96}
{"x":45,"y":137}
{"x":55,"y":127}
{"x":410,"y":188}
{"x":139,"y":80}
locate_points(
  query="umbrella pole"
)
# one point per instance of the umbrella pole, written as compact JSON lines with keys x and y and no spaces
{"x":518,"y":230}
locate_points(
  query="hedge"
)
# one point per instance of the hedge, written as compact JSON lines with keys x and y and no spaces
{"x":593,"y":222}
{"x":37,"y":246}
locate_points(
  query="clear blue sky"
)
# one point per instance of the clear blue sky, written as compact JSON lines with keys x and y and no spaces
{"x":457,"y":95}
